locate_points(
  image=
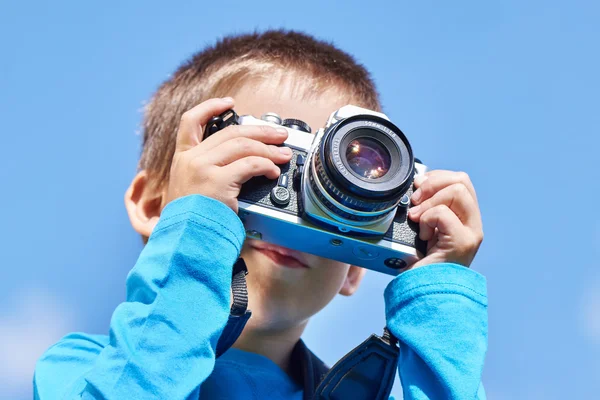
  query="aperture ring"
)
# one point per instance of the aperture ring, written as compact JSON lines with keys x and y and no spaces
{"x":336,"y":210}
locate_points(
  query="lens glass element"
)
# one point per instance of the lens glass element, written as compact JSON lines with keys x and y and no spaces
{"x":368,"y":157}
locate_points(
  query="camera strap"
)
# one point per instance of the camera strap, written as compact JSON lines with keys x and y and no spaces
{"x":239,"y":313}
{"x":367,"y":372}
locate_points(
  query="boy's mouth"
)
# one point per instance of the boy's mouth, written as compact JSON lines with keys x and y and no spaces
{"x":280,"y":255}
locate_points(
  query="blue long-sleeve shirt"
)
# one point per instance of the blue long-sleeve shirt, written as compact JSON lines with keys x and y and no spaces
{"x":162,"y":340}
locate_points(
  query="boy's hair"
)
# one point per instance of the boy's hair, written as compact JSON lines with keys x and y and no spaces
{"x":220,"y":70}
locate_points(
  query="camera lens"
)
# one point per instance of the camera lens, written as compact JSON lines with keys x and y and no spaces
{"x":368,"y":157}
{"x":361,"y":169}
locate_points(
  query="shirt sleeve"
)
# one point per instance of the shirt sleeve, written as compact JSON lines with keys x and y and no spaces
{"x":162,"y":340}
{"x":439,"y":315}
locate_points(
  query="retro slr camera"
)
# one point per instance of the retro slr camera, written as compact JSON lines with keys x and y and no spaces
{"x":344,"y":195}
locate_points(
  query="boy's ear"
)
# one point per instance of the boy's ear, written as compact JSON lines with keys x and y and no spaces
{"x":144,"y":204}
{"x":353,"y":279}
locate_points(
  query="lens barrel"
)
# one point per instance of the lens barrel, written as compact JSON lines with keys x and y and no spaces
{"x":362,"y":168}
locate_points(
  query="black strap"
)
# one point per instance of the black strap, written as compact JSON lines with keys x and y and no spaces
{"x":389,"y":338}
{"x":239,"y":288}
{"x":367,"y":372}
{"x":307,"y":369}
{"x":239,"y":313}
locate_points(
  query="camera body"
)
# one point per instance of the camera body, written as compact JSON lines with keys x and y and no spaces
{"x":344,"y":195}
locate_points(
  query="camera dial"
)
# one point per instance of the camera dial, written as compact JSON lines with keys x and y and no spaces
{"x":271,"y":117}
{"x":297,"y":124}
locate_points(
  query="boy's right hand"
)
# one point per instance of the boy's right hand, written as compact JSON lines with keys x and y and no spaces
{"x":218,"y":166}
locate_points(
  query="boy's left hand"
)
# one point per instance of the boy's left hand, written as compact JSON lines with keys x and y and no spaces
{"x":445,"y":206}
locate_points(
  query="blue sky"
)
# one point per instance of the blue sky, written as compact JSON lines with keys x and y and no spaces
{"x":507,"y":91}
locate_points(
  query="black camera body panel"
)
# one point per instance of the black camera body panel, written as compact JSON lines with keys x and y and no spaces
{"x":258,"y":190}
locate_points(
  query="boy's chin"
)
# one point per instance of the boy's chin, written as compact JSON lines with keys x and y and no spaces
{"x":277,"y":292}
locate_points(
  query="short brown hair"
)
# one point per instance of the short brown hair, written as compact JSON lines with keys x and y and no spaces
{"x":221,"y":69}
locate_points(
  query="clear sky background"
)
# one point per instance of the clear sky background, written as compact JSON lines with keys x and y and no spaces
{"x":507,"y":91}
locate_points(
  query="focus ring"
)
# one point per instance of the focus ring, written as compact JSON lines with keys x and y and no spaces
{"x":323,"y":200}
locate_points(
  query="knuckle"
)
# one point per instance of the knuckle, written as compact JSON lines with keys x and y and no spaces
{"x":463,"y":177}
{"x":253,"y":164}
{"x":442,"y":209}
{"x":186,"y":116}
{"x":472,"y":243}
{"x":243,"y":144}
{"x":425,"y":205}
{"x":479,"y":236}
{"x":474,"y":240}
{"x":272,"y":151}
{"x":247,"y":146}
{"x":459,"y":189}
{"x":425,"y":186}
{"x":434,"y":212}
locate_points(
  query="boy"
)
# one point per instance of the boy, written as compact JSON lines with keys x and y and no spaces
{"x":183,"y":202}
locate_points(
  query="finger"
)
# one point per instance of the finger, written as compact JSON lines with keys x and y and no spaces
{"x":434,"y":181}
{"x":442,"y":218}
{"x":242,"y":147}
{"x":262,"y":133}
{"x":193,"y":121}
{"x":456,"y":197}
{"x":450,"y":176}
{"x":246,"y":168}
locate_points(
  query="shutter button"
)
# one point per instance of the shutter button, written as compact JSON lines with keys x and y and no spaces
{"x":280,"y":196}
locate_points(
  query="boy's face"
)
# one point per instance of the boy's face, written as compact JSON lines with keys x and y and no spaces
{"x":285,"y":287}
{"x":288,"y":287}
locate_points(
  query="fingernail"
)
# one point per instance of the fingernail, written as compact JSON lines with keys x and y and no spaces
{"x":414,"y":210}
{"x":416,"y":196}
{"x":282,"y":131}
{"x":227,"y":100}
{"x":286,"y":151}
